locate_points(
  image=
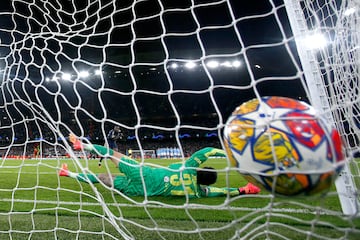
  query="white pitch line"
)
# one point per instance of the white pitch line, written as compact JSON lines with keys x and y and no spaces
{"x":21,"y":172}
{"x":275,"y":210}
{"x":55,"y":173}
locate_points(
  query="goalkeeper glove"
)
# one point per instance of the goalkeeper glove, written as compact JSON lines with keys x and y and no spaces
{"x":77,"y":144}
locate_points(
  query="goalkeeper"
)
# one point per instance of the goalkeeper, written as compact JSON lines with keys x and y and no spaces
{"x":177,"y":180}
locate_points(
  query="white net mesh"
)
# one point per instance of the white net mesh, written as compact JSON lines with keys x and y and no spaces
{"x":332,"y":75}
{"x":169,"y":73}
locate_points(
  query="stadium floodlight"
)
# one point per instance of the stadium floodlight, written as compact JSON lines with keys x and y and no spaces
{"x":174,"y":65}
{"x":190,"y":65}
{"x":212,"y":64}
{"x":349,"y":11}
{"x":66,"y":76}
{"x":236,"y":63}
{"x":54,"y":78}
{"x":315,"y":41}
{"x":83,"y":74}
{"x":226,"y":64}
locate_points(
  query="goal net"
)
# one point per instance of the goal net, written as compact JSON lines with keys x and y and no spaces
{"x":168,"y":73}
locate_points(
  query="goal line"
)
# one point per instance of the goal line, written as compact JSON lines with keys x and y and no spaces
{"x":190,"y":206}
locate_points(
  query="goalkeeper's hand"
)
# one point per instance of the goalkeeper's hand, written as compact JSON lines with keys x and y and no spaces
{"x":77,"y":144}
{"x":249,"y":189}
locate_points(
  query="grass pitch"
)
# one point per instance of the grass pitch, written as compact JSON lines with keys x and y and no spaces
{"x":35,"y":203}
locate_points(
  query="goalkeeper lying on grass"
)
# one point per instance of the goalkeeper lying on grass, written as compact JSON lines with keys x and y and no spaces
{"x":177,"y":180}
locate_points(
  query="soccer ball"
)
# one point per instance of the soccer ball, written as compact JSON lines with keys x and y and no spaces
{"x":280,"y":144}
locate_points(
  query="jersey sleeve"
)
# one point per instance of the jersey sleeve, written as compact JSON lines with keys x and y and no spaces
{"x":202,"y":155}
{"x":208,"y":191}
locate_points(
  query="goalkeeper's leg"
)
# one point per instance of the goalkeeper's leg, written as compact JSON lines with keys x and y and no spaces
{"x":64,"y":172}
{"x":107,"y":179}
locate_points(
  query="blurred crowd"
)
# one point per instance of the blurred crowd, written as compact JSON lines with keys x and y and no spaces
{"x":153,"y":148}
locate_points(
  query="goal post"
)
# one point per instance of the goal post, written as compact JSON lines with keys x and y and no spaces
{"x":169,"y":74}
{"x":343,"y":31}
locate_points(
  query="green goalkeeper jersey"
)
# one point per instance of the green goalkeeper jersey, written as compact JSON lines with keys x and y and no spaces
{"x":178,"y":179}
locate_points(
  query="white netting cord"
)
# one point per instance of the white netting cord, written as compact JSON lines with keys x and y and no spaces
{"x":346,"y":71}
{"x":337,"y":62}
{"x":62,"y":35}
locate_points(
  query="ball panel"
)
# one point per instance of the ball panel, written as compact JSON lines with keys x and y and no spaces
{"x":337,"y":143}
{"x":230,"y":155}
{"x":323,"y":184}
{"x":240,"y":131}
{"x":288,"y":184}
{"x":306,"y":130}
{"x":283,"y":102}
{"x":247,"y":107}
{"x":275,"y":145}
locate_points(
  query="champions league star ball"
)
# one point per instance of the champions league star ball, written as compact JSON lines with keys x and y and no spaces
{"x":282,"y":145}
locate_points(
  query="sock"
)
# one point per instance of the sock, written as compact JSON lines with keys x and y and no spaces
{"x":72,"y":175}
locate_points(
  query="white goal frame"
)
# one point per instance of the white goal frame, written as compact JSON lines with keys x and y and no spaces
{"x":319,"y":97}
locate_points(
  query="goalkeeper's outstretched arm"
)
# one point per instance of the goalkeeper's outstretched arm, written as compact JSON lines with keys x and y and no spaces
{"x":97,"y":149}
{"x":202,"y":155}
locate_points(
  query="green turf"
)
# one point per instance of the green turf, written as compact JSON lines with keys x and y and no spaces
{"x":36,"y":204}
